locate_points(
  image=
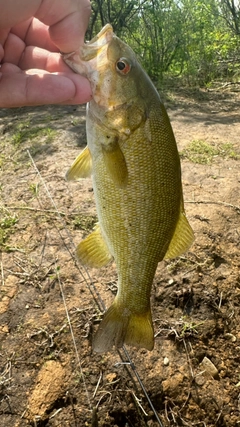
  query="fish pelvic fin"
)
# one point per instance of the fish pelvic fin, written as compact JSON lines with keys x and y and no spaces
{"x":93,"y":251}
{"x":81,"y":167}
{"x":182,"y":239}
{"x":119,"y":326}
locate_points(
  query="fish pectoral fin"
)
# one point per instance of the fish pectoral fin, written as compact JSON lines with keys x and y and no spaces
{"x":93,"y":251}
{"x":115,"y":163}
{"x":182,"y":239}
{"x":81,"y":167}
{"x":118,"y":328}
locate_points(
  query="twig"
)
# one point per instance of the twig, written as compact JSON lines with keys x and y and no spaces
{"x":47,"y":211}
{"x":47,"y":334}
{"x":73,"y":339}
{"x":104,"y":394}
{"x":220,"y":301}
{"x":210,"y":202}
{"x":43,"y":250}
{"x":137,"y":400}
{"x":189,"y":361}
{"x":28,"y":208}
{"x":223,"y":86}
{"x":2,"y":273}
{"x":99,"y":380}
{"x":55,"y":413}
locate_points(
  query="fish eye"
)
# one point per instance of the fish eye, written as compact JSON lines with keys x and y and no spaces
{"x":123,"y":66}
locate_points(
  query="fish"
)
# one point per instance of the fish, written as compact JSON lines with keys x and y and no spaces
{"x":133,"y":159}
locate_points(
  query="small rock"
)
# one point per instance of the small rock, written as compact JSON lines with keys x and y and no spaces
{"x":111,"y":377}
{"x":4,"y":329}
{"x":166,"y":361}
{"x":50,"y":385}
{"x":209,"y":367}
{"x":10,"y":289}
{"x":231,"y":337}
{"x":200,"y":380}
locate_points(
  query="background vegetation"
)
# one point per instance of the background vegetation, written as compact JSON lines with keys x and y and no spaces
{"x":197,"y":42}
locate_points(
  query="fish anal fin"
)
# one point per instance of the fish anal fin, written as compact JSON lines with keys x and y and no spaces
{"x":93,"y":251}
{"x":119,"y":326}
{"x":182,"y":239}
{"x":115,"y":163}
{"x":81,"y":167}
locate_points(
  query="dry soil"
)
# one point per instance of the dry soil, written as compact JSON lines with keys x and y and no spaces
{"x":192,"y":376}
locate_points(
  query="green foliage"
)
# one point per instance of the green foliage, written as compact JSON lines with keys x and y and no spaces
{"x":34,"y":189}
{"x":7,"y":225}
{"x":189,"y":328}
{"x":8,"y":221}
{"x":84,"y":222}
{"x":228,"y":150}
{"x":201,"y":152}
{"x":212,"y":50}
{"x":25,"y":131}
{"x":198,"y":41}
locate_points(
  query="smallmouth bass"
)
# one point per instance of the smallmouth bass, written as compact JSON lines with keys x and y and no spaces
{"x":132,"y":156}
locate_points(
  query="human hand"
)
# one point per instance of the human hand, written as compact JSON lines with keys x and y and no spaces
{"x":32,"y":34}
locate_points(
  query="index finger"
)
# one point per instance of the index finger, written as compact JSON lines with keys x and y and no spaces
{"x":67,"y":20}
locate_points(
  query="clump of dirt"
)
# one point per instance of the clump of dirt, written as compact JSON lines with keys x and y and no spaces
{"x":48,"y":373}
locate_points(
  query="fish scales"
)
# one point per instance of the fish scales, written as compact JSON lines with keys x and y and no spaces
{"x":134,"y":162}
{"x":139,"y":218}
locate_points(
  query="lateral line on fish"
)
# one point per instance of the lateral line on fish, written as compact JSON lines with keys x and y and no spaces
{"x":97,"y":298}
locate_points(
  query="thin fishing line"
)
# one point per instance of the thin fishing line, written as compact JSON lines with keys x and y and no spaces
{"x":134,"y":369}
{"x":60,"y":284}
{"x":95,"y":294}
{"x":96,"y":297}
{"x":73,"y":338}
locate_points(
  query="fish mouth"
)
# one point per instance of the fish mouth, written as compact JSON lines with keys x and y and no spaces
{"x":91,"y":55}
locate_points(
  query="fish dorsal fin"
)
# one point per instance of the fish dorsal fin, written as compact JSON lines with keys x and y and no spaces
{"x":81,"y":167}
{"x":182,"y":239}
{"x":115,"y":163}
{"x":93,"y":251}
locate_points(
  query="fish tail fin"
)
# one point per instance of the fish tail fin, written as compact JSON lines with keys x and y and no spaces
{"x":119,"y":326}
{"x":140,"y":331}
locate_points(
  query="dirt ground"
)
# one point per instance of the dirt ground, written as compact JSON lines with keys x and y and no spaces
{"x":48,"y":373}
